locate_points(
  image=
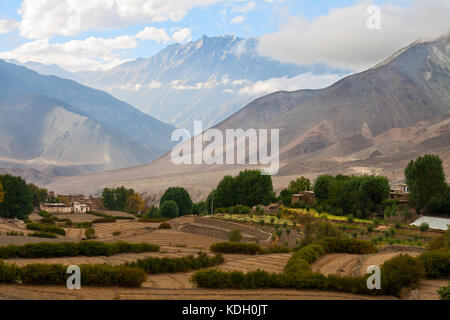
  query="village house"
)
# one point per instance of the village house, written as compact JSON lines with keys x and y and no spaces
{"x":306,"y":196}
{"x":400,"y":192}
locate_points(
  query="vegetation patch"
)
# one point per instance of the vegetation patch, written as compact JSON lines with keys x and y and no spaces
{"x":72,"y":249}
{"x":56,"y":274}
{"x":46,"y":228}
{"x":236,"y":247}
{"x":156,"y":265}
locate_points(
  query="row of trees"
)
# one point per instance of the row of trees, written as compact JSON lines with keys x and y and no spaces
{"x":249,"y":188}
{"x":357,"y":195}
{"x":123,"y":199}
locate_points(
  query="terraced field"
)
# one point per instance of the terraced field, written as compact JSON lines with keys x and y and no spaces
{"x":172,"y":238}
{"x":105,"y":231}
{"x":112,"y":260}
{"x":345,"y":264}
{"x":59,"y":293}
{"x":269,"y":263}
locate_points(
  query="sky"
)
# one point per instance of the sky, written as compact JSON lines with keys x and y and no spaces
{"x":100,"y":34}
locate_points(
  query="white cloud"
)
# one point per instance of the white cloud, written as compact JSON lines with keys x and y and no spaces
{"x":238,"y":19}
{"x":8,"y":25}
{"x":341,"y":38}
{"x":75,"y":55}
{"x":136,"y":87}
{"x":182,"y":35}
{"x":151,"y":33}
{"x":250,"y":6}
{"x":302,"y":81}
{"x":45,"y":18}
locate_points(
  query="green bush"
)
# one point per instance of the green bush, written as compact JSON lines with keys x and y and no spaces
{"x":91,"y":275}
{"x":424,"y":226}
{"x":9,"y":273}
{"x":156,"y":265}
{"x":71,"y":249}
{"x":344,"y":245}
{"x":235,"y":236}
{"x":43,"y":235}
{"x":46,"y":228}
{"x":436,"y":263}
{"x":45,"y":214}
{"x":104,"y":220}
{"x":399,"y":272}
{"x":169,"y":209}
{"x":444,"y":292}
{"x":236,"y":247}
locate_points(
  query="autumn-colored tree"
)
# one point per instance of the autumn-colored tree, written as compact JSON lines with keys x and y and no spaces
{"x":135,"y":204}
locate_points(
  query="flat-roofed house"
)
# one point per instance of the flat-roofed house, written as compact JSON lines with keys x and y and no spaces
{"x":306,"y":196}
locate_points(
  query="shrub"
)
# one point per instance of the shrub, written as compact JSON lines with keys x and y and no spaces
{"x":444,"y":293}
{"x":104,"y":220}
{"x":436,"y":263}
{"x":91,"y":275}
{"x":45,"y":214}
{"x":350,"y":218}
{"x":235,"y":236}
{"x":424,"y":226}
{"x":71,"y":249}
{"x":181,"y":198}
{"x":236,"y":247}
{"x":343,"y":245}
{"x":164,"y":226}
{"x":399,"y":272}
{"x":43,"y":235}
{"x":9,"y":273}
{"x":46,"y":228}
{"x":169,"y":209}
{"x":156,"y":265}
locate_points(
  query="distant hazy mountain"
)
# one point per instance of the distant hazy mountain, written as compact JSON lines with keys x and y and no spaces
{"x":48,"y":122}
{"x":371,"y":122}
{"x":208,"y":79}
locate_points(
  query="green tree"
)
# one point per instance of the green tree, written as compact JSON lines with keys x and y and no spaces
{"x":154,"y":212}
{"x":300,"y":184}
{"x":18,"y":198}
{"x":252,"y":188}
{"x":426,"y":180}
{"x":225,"y":195}
{"x":109,"y":200}
{"x":322,"y":187}
{"x":169,"y":209}
{"x":181,"y":197}
{"x":200,"y":208}
{"x":39,"y":195}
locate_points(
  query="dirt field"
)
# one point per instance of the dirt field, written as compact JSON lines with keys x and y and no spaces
{"x":17,"y":292}
{"x":345,"y":264}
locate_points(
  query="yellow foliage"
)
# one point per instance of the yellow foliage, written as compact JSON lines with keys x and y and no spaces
{"x":135,"y":204}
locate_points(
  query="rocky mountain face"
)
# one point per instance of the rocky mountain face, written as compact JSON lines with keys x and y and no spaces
{"x":208,"y":79}
{"x":62,"y":127}
{"x":371,"y":122}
